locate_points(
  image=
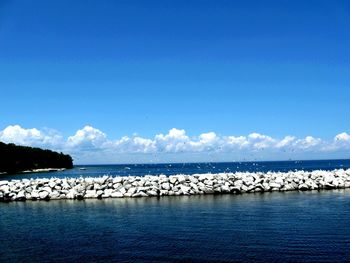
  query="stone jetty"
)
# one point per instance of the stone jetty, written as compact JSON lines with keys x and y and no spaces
{"x":155,"y":186}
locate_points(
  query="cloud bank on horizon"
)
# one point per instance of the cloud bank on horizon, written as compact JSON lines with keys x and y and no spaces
{"x":91,"y":145}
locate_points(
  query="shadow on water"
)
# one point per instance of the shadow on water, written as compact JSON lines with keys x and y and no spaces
{"x":288,"y":226}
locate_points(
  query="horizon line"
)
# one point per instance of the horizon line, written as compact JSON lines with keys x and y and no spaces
{"x":261,"y":161}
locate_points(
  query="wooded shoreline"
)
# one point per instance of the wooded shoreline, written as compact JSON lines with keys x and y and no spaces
{"x":20,"y":159}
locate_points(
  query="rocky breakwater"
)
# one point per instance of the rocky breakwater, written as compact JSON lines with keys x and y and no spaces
{"x":137,"y":186}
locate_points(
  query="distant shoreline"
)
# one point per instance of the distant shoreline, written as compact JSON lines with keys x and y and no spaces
{"x":41,"y":170}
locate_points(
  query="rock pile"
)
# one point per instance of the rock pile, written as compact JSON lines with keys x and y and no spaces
{"x":137,"y":186}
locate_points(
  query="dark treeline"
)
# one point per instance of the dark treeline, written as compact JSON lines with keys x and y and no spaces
{"x":15,"y":158}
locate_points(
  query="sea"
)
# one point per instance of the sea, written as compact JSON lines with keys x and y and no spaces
{"x":308,"y":226}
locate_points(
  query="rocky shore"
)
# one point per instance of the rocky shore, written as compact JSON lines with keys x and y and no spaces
{"x":148,"y":186}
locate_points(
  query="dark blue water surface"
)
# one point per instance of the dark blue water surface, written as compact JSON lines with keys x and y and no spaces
{"x":269,"y":227}
{"x":187,"y":168}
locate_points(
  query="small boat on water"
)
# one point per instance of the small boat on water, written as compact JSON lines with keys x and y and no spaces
{"x":82,"y":168}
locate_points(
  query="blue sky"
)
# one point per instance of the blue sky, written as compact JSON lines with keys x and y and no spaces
{"x":276,"y":68}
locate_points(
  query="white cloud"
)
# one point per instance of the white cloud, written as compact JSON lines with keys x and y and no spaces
{"x":286,"y":141}
{"x":260,"y":141}
{"x":174,"y":141}
{"x":18,"y":135}
{"x":89,"y":144}
{"x":342,"y":137}
{"x":205,"y":142}
{"x":307,"y":142}
{"x":88,"y":137}
{"x":236,"y":142}
{"x":341,"y":141}
{"x":33,"y":137}
{"x":132,"y":145}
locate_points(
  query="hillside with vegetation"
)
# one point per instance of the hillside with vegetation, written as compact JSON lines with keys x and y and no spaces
{"x":14,"y":158}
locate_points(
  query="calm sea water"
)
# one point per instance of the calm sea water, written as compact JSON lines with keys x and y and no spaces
{"x":270,"y":227}
{"x":186,"y":168}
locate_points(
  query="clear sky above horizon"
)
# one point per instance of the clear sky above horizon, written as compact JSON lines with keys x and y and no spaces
{"x":276,"y":68}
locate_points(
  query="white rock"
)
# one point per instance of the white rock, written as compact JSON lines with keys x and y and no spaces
{"x":127,"y":194}
{"x":132,"y":190}
{"x":193,"y":179}
{"x":303,"y":187}
{"x":181,"y":179}
{"x":89,"y":180}
{"x":338,"y":182}
{"x":328,"y":179}
{"x":97,"y":186}
{"x":172,"y":179}
{"x":35,"y":194}
{"x":122,"y":190}
{"x":117,"y":180}
{"x":47,"y":189}
{"x":139,"y":194}
{"x":244,"y":188}
{"x":194,"y":186}
{"x":136,"y":186}
{"x":52,"y":184}
{"x":5,"y":188}
{"x":21,"y":195}
{"x":225,"y":188}
{"x":65,"y":185}
{"x":274,"y":185}
{"x":166,"y":186}
{"x":90,"y":194}
{"x":248,"y":181}
{"x":152,"y":193}
{"x":117,"y":195}
{"x":43,"y":195}
{"x":100,"y":180}
{"x":71,"y":194}
{"x":163,"y":192}
{"x":209,"y":182}
{"x":202,"y":177}
{"x":117,"y":185}
{"x":279,"y":180}
{"x":185,"y":189}
{"x":54,"y":195}
{"x":107,"y":193}
{"x":3,"y":182}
